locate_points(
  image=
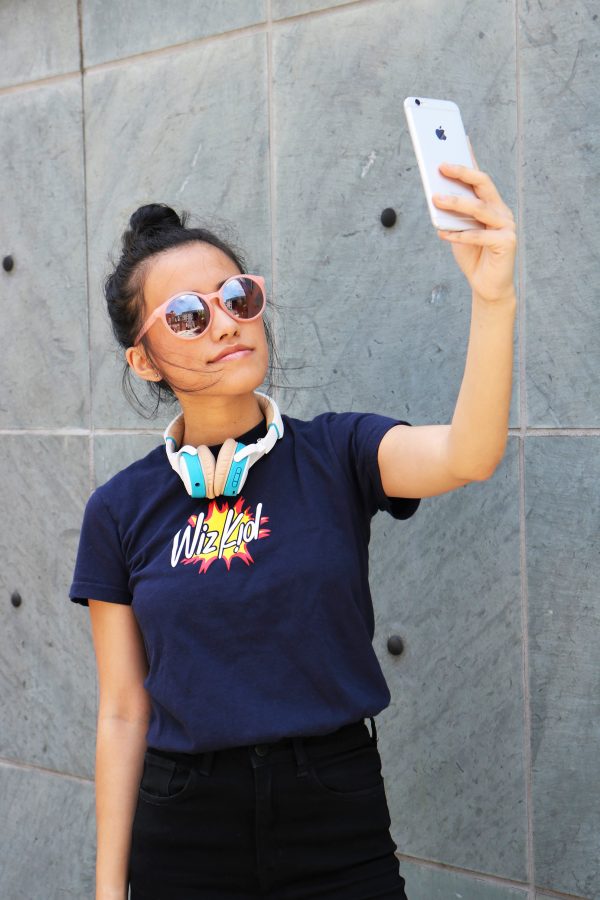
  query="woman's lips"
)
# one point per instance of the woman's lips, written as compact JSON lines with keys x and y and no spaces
{"x":235,"y":355}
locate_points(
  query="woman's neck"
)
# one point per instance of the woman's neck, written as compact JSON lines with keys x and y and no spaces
{"x":211,"y":420}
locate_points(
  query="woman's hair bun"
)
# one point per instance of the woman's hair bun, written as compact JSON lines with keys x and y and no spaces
{"x":153,"y":216}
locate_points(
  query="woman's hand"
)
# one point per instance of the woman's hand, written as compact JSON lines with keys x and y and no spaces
{"x":485,"y":255}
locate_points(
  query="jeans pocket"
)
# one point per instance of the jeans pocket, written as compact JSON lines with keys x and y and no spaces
{"x":350,"y":773}
{"x":165,"y":780}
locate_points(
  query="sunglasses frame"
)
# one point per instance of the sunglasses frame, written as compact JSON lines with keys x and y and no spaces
{"x":160,"y":311}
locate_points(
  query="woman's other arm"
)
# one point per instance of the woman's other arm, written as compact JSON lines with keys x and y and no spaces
{"x":431,"y":459}
{"x":123,"y":715}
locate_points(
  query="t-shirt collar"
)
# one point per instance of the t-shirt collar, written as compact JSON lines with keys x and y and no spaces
{"x":248,"y":437}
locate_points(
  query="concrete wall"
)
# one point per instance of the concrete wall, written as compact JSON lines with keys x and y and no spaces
{"x":284,"y":118}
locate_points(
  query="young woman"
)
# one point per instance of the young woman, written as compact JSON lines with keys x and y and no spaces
{"x":226,"y":574}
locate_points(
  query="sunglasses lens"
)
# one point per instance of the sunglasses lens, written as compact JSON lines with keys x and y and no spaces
{"x":187,"y":314}
{"x":243,"y":297}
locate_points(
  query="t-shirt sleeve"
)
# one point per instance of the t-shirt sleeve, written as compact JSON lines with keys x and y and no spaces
{"x":100,"y":567}
{"x":358,"y":436}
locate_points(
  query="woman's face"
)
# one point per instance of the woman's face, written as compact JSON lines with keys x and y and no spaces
{"x":192,"y":364}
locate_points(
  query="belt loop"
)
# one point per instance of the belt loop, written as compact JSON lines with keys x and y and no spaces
{"x":206,"y":763}
{"x":373,"y":730}
{"x":301,"y":758}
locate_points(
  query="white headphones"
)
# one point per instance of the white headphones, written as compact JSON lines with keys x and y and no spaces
{"x":205,"y":476}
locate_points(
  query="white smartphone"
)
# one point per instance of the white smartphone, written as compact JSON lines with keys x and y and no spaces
{"x":438,"y":135}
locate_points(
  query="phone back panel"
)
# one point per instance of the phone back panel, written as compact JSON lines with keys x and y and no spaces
{"x":438,"y":135}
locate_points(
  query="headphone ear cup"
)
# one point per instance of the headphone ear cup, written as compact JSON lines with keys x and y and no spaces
{"x":223,"y":464}
{"x":207,"y":462}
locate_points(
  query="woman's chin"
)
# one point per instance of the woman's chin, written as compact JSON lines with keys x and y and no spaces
{"x":238,"y":379}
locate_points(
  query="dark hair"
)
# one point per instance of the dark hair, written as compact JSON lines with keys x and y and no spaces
{"x":152,"y":229}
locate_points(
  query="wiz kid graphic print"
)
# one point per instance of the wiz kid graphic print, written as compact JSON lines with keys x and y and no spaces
{"x":222,"y":533}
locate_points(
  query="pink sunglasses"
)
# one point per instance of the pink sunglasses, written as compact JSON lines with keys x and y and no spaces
{"x":188,"y":314}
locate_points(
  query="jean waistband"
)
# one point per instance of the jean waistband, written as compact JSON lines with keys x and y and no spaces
{"x":348,"y":737}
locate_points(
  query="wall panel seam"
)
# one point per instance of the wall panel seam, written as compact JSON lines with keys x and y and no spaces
{"x":522,"y":342}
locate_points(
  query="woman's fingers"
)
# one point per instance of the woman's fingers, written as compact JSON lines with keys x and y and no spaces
{"x":498,"y":239}
{"x":484,"y":212}
{"x":480,"y":181}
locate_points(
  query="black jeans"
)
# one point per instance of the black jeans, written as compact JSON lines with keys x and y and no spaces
{"x":304,"y":817}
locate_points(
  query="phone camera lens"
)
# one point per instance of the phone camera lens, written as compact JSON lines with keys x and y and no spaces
{"x":418,"y":102}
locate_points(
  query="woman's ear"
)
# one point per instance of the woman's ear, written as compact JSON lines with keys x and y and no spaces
{"x":140,"y":364}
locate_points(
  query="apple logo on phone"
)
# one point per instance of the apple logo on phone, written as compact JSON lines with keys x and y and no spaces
{"x":439,"y":133}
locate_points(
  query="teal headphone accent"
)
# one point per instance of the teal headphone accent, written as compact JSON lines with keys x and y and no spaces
{"x":205,"y":476}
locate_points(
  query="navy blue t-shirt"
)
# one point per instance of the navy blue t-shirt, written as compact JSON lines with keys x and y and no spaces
{"x":255,"y":611}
